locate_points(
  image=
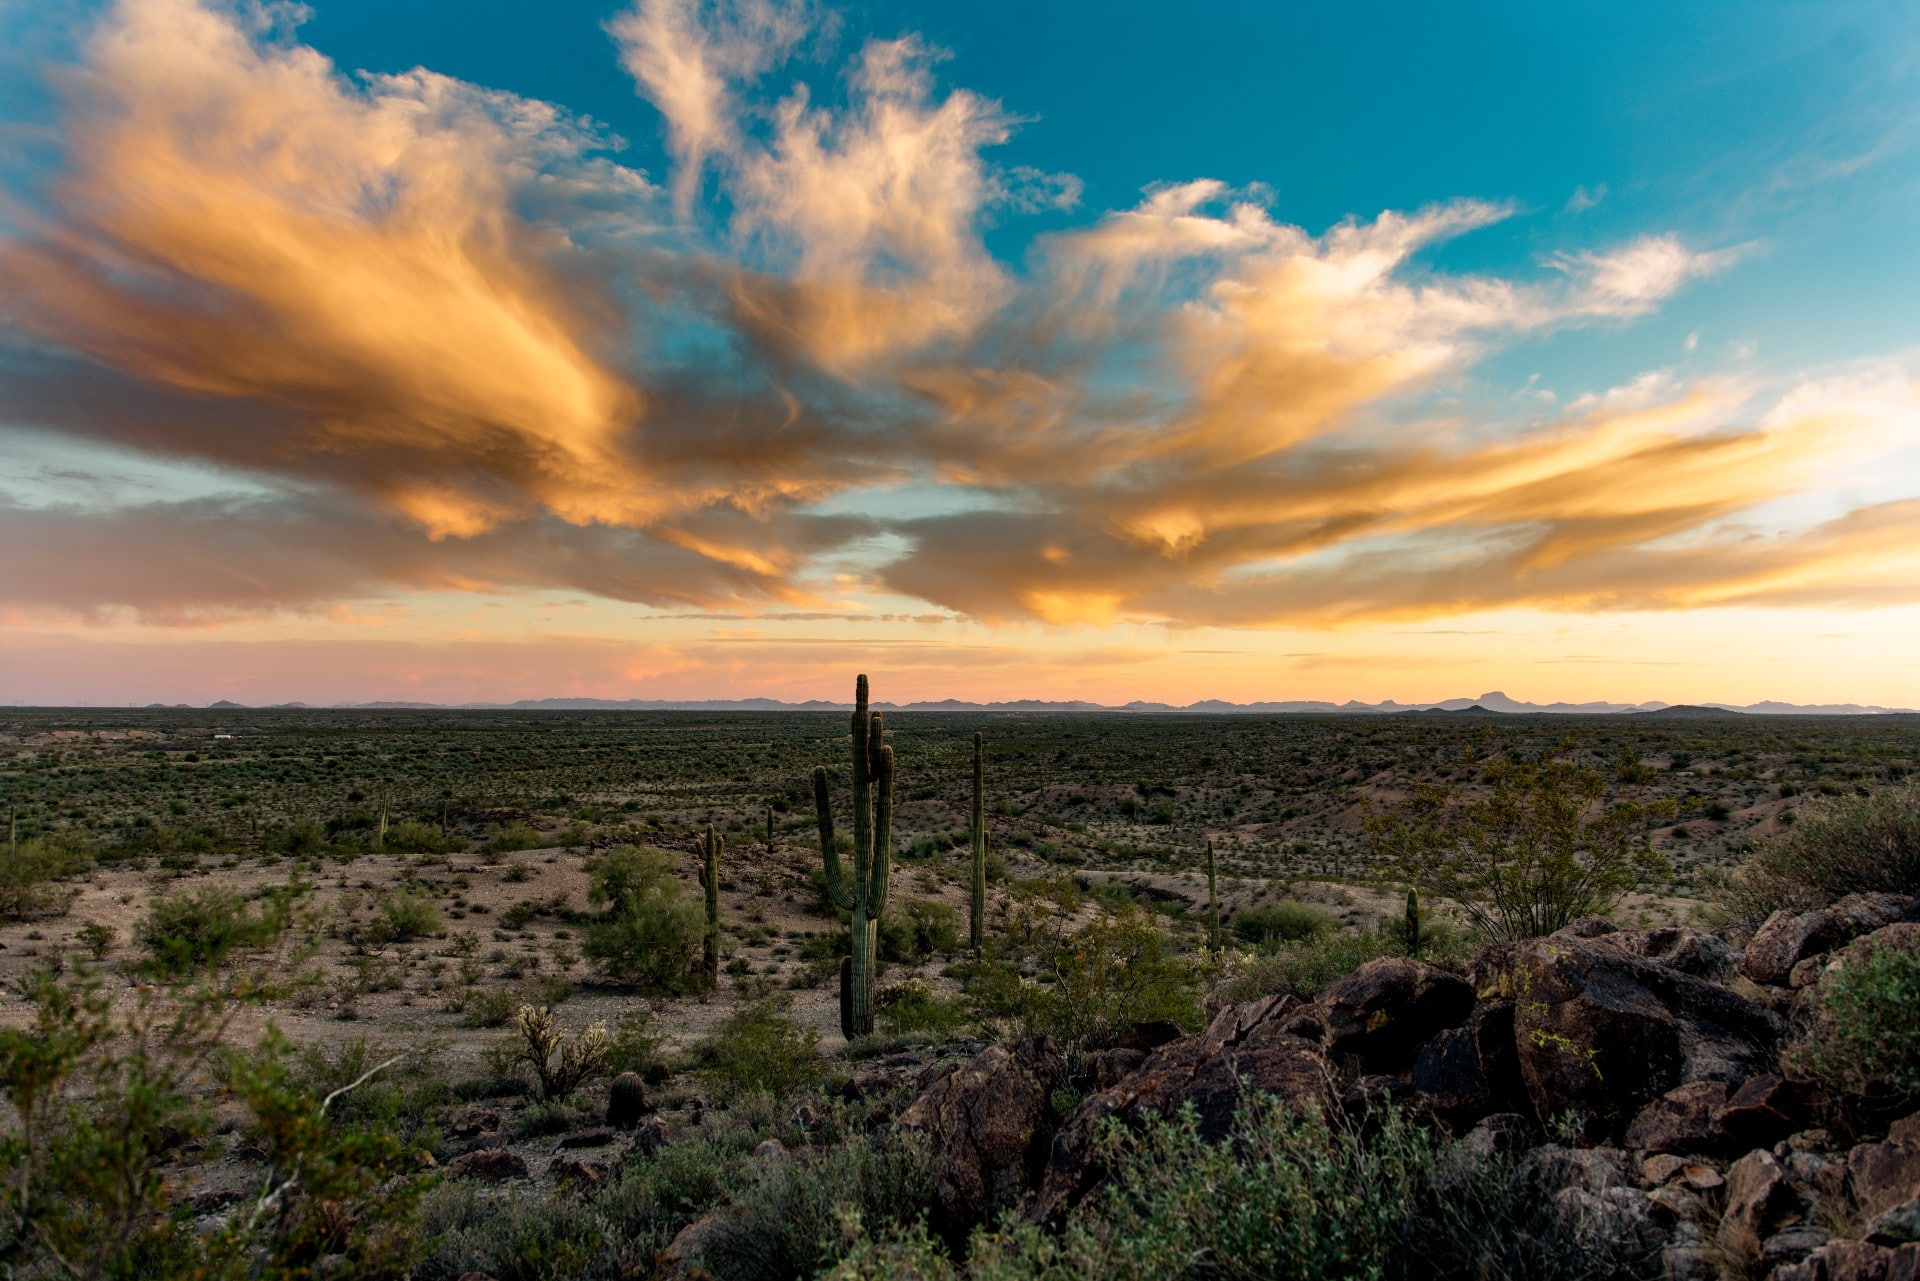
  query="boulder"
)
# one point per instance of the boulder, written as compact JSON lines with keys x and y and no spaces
{"x":652,"y":1134}
{"x":988,"y":1125}
{"x":1705,"y":956}
{"x":1684,"y":1119}
{"x":1469,"y":1072}
{"x":1855,"y":1261}
{"x":1243,"y":1051}
{"x":1897,"y":1226}
{"x":1600,"y":1032}
{"x":1790,"y":937}
{"x":1883,"y":1174}
{"x":1762,"y":1112}
{"x":593,"y":1137}
{"x":1760,"y":1201}
{"x":1380,"y":1015}
{"x":491,"y":1165}
{"x":580,"y":1176}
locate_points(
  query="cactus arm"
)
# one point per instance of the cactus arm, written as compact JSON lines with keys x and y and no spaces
{"x":823,"y":810}
{"x":862,"y":790}
{"x":882,"y":859}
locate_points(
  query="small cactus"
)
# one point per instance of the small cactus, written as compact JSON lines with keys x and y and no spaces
{"x":977,"y":908}
{"x":866,"y":896}
{"x":626,"y":1101}
{"x":1213,"y":902}
{"x":710,"y":882}
{"x":1412,"y":926}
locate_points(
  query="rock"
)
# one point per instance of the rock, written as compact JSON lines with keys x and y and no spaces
{"x":1807,"y":972}
{"x":1789,"y":1246}
{"x":626,"y":1101}
{"x":1447,"y":1071}
{"x":1381,"y":1014}
{"x":653,"y":1134}
{"x":476,"y":1276}
{"x":594,"y":1137}
{"x":1905,"y":1131}
{"x":1689,"y":1263}
{"x":1702,"y":1177}
{"x":492,"y":1165}
{"x":988,"y":1125}
{"x":1656,"y":1170}
{"x":1110,"y":1067}
{"x":1689,"y":951}
{"x":1614,"y":1222}
{"x":1883,"y":1174}
{"x":772,"y":1152}
{"x":581,"y":1176}
{"x":1586,"y":927}
{"x":1760,"y":1202}
{"x":1677,"y":1203}
{"x":1896,"y":1226}
{"x":1500,"y":1134}
{"x":1600,"y":1032}
{"x":1150,"y":1035}
{"x":1855,"y":1261}
{"x":1790,"y":937}
{"x":1592,"y":1169}
{"x":1761,"y":1112}
{"x":805,"y":1118}
{"x":1681,"y":1120}
{"x":1243,"y":1051}
{"x":721,"y":1244}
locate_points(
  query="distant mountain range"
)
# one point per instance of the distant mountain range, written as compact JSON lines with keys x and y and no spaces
{"x":1491,"y":703}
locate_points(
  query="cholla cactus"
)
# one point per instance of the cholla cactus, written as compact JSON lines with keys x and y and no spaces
{"x":866,"y":896}
{"x":579,"y":1059}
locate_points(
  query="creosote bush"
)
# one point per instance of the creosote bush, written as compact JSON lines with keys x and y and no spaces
{"x":30,"y":879}
{"x":1843,"y":845}
{"x":1868,"y":1042}
{"x":198,"y":931}
{"x":1287,"y":921}
{"x":760,"y":1049}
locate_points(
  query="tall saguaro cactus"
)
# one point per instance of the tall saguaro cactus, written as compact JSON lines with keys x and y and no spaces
{"x":977,"y":910}
{"x":710,"y":882}
{"x":866,"y":896}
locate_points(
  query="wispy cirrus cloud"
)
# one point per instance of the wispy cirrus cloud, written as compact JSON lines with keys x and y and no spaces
{"x":460,"y":339}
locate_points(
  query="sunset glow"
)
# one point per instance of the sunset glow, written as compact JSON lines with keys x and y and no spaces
{"x":329,"y":373}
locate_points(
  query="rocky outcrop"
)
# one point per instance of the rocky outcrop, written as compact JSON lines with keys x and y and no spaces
{"x":988,"y":1125}
{"x":1245,"y":1050}
{"x":1790,"y":937}
{"x":1379,"y":1016}
{"x":490,"y":1165}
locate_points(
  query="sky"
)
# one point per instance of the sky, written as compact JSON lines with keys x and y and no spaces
{"x":715,"y":349}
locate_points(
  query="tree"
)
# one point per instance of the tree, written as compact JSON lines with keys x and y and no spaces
{"x":647,"y":933}
{"x":1555,"y":840}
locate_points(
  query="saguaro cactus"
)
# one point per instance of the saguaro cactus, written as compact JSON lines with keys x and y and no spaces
{"x":1412,"y":926}
{"x":710,"y":882}
{"x":866,"y":896}
{"x":1213,"y":903}
{"x":977,"y":909}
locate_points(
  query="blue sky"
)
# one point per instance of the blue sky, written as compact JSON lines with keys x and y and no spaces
{"x":1587,"y":316}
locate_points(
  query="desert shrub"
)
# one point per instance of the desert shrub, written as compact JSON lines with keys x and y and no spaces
{"x":760,"y":1049}
{"x":418,"y":838}
{"x":107,"y":1100}
{"x":1302,"y":968}
{"x":403,"y":1098}
{"x":1092,"y":985}
{"x":648,"y":933}
{"x":407,"y":915}
{"x":914,"y":1006}
{"x":199,"y":930}
{"x":632,"y":1046}
{"x":489,"y":1006}
{"x":1287,"y":921}
{"x":511,"y":838}
{"x":1553,"y":842}
{"x":304,"y":839}
{"x":1869,"y":1040}
{"x":30,"y":878}
{"x":915,"y":928}
{"x":1845,"y":845}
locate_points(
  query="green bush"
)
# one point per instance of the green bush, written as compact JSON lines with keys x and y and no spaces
{"x":29,"y":879}
{"x":418,"y":838}
{"x":1092,"y":985}
{"x":511,"y":838}
{"x":759,"y":1049}
{"x":304,"y":839}
{"x":1287,"y":921}
{"x":1870,"y":1042}
{"x":1846,"y":845}
{"x":915,"y":928}
{"x":404,"y":1099}
{"x":914,"y":1006}
{"x":184,"y":932}
{"x":648,"y":933}
{"x":1303,"y":968}
{"x":407,"y":915}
